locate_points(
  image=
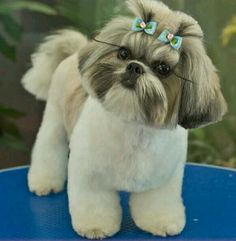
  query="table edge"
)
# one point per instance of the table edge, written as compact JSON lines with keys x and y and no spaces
{"x":188,"y":164}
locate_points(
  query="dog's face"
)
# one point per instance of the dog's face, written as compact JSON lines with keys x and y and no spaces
{"x":139,"y":78}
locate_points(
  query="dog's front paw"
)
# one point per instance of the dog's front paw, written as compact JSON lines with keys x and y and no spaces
{"x":161,"y":220}
{"x":42,"y":183}
{"x":95,"y":224}
{"x":95,"y":233}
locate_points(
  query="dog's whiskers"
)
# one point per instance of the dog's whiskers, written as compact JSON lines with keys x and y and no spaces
{"x":183,"y":78}
{"x":104,"y":42}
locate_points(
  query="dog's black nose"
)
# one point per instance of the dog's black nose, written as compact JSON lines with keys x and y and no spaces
{"x":133,"y":71}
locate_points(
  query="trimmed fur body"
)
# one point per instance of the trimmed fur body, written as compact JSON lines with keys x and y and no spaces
{"x":122,"y":131}
{"x":128,"y":157}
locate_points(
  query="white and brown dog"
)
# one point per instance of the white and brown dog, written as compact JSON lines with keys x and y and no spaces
{"x":121,"y":104}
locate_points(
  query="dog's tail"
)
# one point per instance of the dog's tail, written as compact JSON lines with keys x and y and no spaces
{"x":45,"y":60}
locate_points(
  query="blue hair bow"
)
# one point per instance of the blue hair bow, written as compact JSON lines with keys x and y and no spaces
{"x":139,"y":25}
{"x":168,"y":37}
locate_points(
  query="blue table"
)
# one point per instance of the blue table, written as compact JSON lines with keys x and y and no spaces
{"x":209,"y":195}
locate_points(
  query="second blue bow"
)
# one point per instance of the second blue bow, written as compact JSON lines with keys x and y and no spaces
{"x":168,"y":37}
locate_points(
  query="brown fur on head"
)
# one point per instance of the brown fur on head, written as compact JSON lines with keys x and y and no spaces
{"x":163,"y":101}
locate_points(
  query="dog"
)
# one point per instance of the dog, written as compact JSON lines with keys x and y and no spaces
{"x":120,"y":106}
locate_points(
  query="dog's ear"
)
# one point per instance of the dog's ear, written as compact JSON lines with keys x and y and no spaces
{"x":201,"y":101}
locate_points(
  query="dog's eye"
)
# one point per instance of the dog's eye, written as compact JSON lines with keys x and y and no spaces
{"x":123,"y":53}
{"x":162,"y":69}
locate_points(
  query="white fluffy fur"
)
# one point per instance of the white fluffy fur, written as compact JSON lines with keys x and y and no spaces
{"x":49,"y":55}
{"x":108,"y":155}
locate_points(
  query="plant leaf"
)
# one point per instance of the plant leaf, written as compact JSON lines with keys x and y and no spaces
{"x":9,"y":112}
{"x":12,"y":142}
{"x":11,"y":129}
{"x":12,"y":28}
{"x":8,"y":8}
{"x":7,"y":50}
{"x":229,"y":31}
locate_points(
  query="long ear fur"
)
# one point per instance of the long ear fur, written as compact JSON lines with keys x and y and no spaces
{"x":202,"y":101}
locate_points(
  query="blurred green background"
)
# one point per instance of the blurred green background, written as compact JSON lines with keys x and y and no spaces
{"x":23,"y":24}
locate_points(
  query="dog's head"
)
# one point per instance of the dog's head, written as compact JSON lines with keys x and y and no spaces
{"x":153,"y":69}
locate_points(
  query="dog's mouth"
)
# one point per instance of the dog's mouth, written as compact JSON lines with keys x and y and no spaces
{"x":137,"y":98}
{"x":129,"y":82}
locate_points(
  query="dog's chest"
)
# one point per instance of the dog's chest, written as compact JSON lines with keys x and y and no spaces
{"x":127,"y":156}
{"x":139,"y":161}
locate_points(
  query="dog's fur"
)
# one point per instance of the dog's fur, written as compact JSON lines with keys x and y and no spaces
{"x":121,"y":139}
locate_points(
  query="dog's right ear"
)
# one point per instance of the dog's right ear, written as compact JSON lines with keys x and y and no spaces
{"x":202,"y":101}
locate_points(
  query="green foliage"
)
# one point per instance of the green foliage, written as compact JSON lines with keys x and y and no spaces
{"x":10,"y":36}
{"x":10,"y":136}
{"x":9,"y":113}
{"x":7,"y":50}
{"x":12,"y":29}
{"x":200,"y":148}
{"x":89,"y":15}
{"x":229,"y":31}
{"x":9,"y":7}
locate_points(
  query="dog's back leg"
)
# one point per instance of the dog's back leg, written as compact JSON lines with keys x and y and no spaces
{"x":50,"y":153}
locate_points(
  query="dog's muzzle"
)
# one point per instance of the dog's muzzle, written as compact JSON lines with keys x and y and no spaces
{"x":133,"y":72}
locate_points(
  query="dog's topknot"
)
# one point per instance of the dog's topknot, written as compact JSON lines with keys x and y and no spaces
{"x":147,"y":10}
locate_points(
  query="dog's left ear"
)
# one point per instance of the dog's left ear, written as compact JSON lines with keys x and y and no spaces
{"x":201,"y":101}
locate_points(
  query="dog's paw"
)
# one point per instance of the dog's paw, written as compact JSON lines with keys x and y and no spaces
{"x":93,"y":225}
{"x":94,"y":233}
{"x":42,"y":184}
{"x":166,"y":221}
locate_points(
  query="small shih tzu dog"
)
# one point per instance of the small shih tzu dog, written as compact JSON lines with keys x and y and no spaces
{"x":119,"y":106}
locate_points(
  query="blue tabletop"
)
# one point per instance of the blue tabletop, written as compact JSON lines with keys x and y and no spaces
{"x":209,"y":195}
